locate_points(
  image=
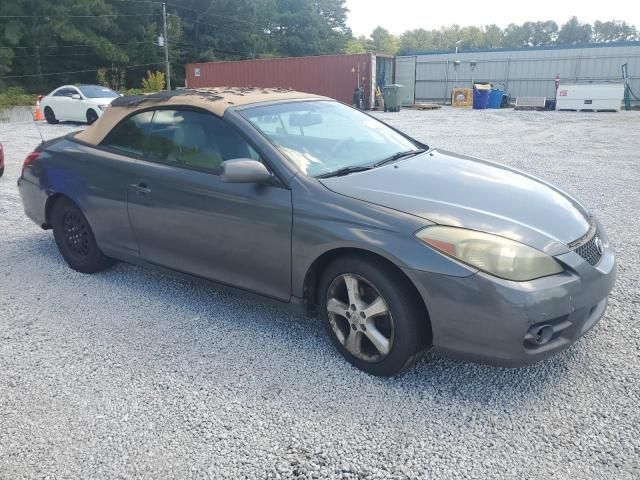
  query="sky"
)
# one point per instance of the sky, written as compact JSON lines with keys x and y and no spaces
{"x":400,"y":15}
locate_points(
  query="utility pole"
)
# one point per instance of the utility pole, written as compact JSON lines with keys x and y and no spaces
{"x":167,"y":67}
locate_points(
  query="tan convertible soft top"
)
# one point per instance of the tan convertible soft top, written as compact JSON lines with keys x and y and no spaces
{"x":216,"y":100}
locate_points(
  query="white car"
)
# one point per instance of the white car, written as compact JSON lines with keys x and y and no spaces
{"x":77,"y":103}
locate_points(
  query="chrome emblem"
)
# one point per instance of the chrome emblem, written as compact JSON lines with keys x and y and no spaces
{"x":599,"y":245}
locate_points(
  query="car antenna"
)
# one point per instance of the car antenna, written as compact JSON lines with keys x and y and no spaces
{"x":38,"y":129}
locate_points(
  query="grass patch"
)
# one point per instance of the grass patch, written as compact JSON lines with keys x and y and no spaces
{"x":16,"y":97}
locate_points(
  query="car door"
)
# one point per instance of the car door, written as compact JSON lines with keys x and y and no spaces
{"x":105,"y":174}
{"x":186,"y":218}
{"x":77,"y":106}
{"x":61,"y":104}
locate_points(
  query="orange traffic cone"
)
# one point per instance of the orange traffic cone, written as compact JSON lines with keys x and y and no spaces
{"x":37,"y":115}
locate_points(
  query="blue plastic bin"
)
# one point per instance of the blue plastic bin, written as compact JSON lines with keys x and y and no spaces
{"x":495,"y":98}
{"x":481,"y":96}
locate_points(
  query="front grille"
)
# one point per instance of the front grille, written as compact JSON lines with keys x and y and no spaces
{"x":590,"y":251}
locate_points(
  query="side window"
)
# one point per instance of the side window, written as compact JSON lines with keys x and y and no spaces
{"x":195,"y":140}
{"x":130,"y":135}
{"x":65,"y":92}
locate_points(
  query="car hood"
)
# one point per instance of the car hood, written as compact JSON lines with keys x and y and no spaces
{"x":451,"y":189}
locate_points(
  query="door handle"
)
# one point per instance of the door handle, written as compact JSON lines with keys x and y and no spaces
{"x":141,"y":188}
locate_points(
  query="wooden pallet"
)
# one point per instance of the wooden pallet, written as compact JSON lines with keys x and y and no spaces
{"x":426,"y":106}
{"x":530,"y":103}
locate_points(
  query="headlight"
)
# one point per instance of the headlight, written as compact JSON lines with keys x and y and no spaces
{"x":496,"y":255}
{"x":103,"y":107}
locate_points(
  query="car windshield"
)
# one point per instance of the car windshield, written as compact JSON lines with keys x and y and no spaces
{"x":321,"y":137}
{"x":96,"y":91}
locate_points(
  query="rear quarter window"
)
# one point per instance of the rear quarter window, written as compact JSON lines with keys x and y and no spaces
{"x":130,"y":135}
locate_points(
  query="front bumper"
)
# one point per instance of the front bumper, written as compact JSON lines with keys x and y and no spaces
{"x":484,"y":319}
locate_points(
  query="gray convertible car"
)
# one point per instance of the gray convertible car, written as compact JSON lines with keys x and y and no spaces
{"x":398,"y":247}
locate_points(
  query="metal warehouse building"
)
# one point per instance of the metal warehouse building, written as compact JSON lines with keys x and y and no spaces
{"x":429,"y":77}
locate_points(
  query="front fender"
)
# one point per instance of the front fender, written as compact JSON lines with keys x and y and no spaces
{"x":325,"y":222}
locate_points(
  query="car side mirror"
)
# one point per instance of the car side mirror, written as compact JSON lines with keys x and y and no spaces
{"x":76,"y":96}
{"x":244,"y":170}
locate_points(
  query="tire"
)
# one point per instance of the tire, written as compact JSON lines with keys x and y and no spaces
{"x":92,"y":116}
{"x":49,"y":116}
{"x":75,"y":239}
{"x":402,"y":334}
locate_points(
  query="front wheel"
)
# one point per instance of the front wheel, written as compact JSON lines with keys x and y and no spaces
{"x":75,"y":239}
{"x":373,"y":315}
{"x":92,"y":116}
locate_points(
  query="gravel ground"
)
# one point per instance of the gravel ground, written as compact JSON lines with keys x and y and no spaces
{"x":130,"y":373}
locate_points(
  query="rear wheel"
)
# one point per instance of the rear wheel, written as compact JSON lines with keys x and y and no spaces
{"x":92,"y":116}
{"x":75,"y":239}
{"x":373,"y":315}
{"x":49,"y":116}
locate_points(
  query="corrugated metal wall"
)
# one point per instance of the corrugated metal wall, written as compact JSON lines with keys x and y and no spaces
{"x":522,"y":72}
{"x":333,"y":76}
{"x":406,"y":76}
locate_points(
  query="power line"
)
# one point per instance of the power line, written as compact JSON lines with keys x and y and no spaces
{"x":226,"y":17}
{"x":149,"y":2}
{"x":175,"y":5}
{"x":83,"y":54}
{"x":78,"y":71}
{"x":87,"y":54}
{"x":106,"y":15}
{"x":74,"y":46}
{"x":221,"y":50}
{"x":58,"y":55}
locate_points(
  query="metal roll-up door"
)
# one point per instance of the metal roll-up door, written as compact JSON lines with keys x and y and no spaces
{"x":406,"y":76}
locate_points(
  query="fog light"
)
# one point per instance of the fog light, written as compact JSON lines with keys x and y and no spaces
{"x":540,"y":334}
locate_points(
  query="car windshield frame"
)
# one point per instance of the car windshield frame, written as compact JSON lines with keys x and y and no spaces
{"x":92,"y":91}
{"x":298,"y":131}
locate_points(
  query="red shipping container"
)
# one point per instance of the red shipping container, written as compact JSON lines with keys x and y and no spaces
{"x":334,"y":76}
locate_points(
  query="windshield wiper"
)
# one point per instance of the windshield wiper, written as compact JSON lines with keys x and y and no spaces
{"x":398,"y":156}
{"x":361,"y":168}
{"x":345,"y":171}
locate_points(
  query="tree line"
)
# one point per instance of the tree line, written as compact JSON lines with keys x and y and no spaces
{"x":529,"y":34}
{"x":46,"y":43}
{"x":40,"y":40}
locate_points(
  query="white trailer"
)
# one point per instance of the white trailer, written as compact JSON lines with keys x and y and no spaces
{"x":590,"y":96}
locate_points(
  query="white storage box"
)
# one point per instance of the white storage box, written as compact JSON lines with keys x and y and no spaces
{"x":590,"y":96}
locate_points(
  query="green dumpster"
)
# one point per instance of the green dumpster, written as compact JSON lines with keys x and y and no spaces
{"x":392,"y":97}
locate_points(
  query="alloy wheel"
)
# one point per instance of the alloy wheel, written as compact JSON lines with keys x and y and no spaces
{"x":360,"y":317}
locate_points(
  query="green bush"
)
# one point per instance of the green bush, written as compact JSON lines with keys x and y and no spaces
{"x":113,"y":78}
{"x":132,"y":91}
{"x":153,"y":82}
{"x":16,"y":96}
